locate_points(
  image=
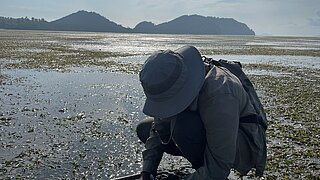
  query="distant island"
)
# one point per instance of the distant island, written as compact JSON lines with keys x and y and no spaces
{"x":93,"y":22}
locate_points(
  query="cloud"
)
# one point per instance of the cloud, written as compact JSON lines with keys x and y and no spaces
{"x":315,"y":21}
{"x":221,"y":4}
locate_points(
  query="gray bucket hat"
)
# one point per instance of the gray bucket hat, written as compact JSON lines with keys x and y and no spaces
{"x":171,"y":80}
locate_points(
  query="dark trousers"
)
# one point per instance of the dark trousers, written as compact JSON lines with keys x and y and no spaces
{"x":188,"y":138}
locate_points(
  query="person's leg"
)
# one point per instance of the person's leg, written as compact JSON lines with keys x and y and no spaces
{"x":143,"y":129}
{"x":189,"y":135}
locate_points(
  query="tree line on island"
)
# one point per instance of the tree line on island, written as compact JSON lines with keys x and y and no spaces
{"x":93,"y":22}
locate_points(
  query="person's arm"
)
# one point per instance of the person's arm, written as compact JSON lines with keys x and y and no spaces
{"x":220,"y":115}
{"x":152,"y":155}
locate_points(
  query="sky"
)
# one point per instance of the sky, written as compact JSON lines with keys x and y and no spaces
{"x":265,"y":17}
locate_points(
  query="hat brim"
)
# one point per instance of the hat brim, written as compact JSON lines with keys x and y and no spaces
{"x":181,"y":100}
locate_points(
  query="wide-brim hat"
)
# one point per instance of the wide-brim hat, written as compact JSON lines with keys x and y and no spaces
{"x":171,"y":80}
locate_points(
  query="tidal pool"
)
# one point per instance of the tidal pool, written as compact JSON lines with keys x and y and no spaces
{"x":70,"y":124}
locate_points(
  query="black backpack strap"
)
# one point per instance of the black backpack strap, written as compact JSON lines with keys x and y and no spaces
{"x":230,"y":62}
{"x":253,"y":118}
{"x":211,"y":61}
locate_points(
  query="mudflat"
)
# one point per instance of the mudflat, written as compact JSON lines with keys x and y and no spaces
{"x":70,"y":101}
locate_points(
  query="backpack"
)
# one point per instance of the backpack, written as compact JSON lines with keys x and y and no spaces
{"x":235,"y":68}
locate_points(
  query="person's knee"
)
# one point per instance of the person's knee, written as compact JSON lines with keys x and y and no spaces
{"x":143,"y":129}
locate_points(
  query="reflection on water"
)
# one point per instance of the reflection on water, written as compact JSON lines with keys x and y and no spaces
{"x":147,"y":43}
{"x":81,"y":119}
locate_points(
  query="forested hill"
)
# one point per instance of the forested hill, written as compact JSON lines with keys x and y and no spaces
{"x":79,"y":21}
{"x":93,"y":22}
{"x":87,"y":21}
{"x":196,"y":24}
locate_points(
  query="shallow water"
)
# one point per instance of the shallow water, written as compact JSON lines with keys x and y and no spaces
{"x":81,"y":116}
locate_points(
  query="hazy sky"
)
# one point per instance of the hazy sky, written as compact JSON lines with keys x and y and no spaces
{"x":272,"y":17}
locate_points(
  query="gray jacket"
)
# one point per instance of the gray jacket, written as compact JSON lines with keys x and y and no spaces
{"x":222,"y":101}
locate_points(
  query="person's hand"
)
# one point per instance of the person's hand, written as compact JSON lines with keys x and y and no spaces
{"x":146,"y":176}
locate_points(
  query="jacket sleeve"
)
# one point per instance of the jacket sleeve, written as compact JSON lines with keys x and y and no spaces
{"x":220,"y":115}
{"x":152,"y":155}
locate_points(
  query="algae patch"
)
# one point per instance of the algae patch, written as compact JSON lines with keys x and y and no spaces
{"x":292,"y":103}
